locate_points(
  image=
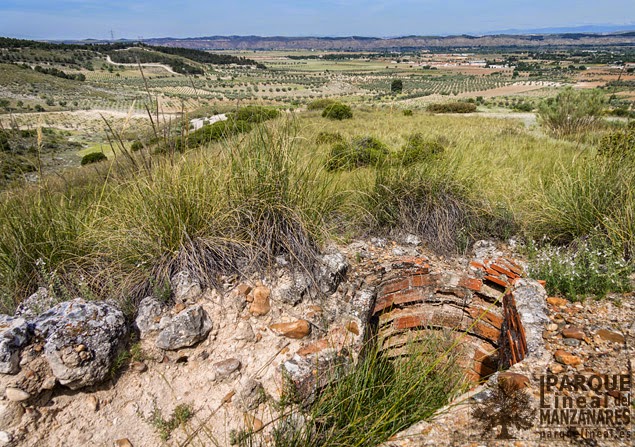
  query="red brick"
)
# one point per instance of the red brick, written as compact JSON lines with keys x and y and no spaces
{"x":489,"y":317}
{"x":477,"y":265}
{"x":483,"y":330}
{"x":497,"y":280}
{"x":471,"y":283}
{"x":504,"y":271}
{"x":382,"y":303}
{"x":410,"y":321}
{"x":423,"y":280}
{"x":409,"y":296}
{"x":395,"y":285}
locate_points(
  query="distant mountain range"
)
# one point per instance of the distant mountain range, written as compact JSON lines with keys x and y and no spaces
{"x":509,"y":38}
{"x":358,"y":43}
{"x":596,"y":29}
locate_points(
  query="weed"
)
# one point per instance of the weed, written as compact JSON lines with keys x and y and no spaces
{"x":181,"y":414}
{"x":585,"y":268}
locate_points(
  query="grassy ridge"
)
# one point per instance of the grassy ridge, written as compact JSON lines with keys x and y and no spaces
{"x":119,"y":230}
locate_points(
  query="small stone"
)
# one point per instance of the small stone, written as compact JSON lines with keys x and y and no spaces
{"x":243,"y":290}
{"x":49,"y":383}
{"x":573,"y":332}
{"x":612,"y":336}
{"x":5,"y":438}
{"x":297,"y":329}
{"x":252,"y":423}
{"x":261,"y":304}
{"x":226,"y":367}
{"x":184,"y":330}
{"x":567,"y":359}
{"x":178,"y":308}
{"x":556,"y":368}
{"x":251,"y":394}
{"x":93,"y":403}
{"x":571,"y":342}
{"x":228,"y":397}
{"x":139,"y":367}
{"x":125,"y":442}
{"x":352,"y":326}
{"x":517,"y":381}
{"x":552,"y":327}
{"x":80,"y":348}
{"x":555,"y":301}
{"x":16,"y":394}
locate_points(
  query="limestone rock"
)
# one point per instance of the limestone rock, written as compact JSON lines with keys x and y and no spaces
{"x":292,"y":288}
{"x":333,"y":268}
{"x":35,"y":305}
{"x":296,"y":329}
{"x":244,"y":331}
{"x":251,"y":393}
{"x":16,"y":394}
{"x":5,"y":438}
{"x":226,"y":367}
{"x":185,"y":287}
{"x":97,"y":327}
{"x":15,"y":333}
{"x":148,"y":316}
{"x":530,"y":303}
{"x":185,"y":329}
{"x":261,"y":304}
{"x":486,"y":249}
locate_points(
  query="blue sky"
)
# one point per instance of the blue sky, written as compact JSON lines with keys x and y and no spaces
{"x":75,"y":19}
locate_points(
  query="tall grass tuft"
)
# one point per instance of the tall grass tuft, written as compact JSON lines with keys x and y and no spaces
{"x":377,"y":399}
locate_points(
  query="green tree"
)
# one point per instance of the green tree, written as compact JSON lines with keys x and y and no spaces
{"x":396,"y":86}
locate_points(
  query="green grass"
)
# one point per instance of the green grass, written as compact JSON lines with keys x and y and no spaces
{"x":376,"y":399}
{"x":123,"y":226}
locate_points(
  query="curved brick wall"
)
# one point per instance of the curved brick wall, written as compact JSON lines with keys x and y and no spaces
{"x":413,"y":299}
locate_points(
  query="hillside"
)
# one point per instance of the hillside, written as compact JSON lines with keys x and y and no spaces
{"x":356,"y":43}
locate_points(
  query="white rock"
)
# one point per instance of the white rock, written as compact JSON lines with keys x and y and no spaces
{"x":16,"y":394}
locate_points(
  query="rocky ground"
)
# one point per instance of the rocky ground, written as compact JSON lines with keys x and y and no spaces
{"x":225,"y":356}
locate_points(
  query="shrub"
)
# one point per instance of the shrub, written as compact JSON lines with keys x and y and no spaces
{"x":408,"y":112}
{"x":582,"y":269}
{"x":396,"y":86}
{"x":93,"y":157}
{"x":136,"y":146}
{"x":255,"y":114}
{"x":419,"y":148}
{"x":329,"y":138}
{"x":618,"y":146}
{"x":452,"y":107}
{"x":338,"y":111}
{"x":572,"y":111}
{"x":364,"y":151}
{"x":321,"y":104}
